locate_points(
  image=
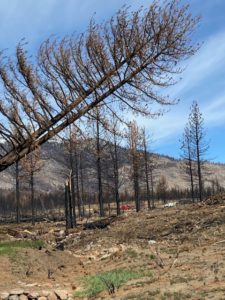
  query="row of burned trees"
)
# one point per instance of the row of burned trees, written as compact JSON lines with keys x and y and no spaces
{"x":107,"y":146}
{"x":106,"y":139}
{"x":103,"y":146}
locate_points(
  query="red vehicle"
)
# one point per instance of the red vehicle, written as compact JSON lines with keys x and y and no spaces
{"x":126,"y":207}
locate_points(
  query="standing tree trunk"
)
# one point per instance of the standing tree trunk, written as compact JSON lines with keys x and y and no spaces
{"x":199,"y":145}
{"x":190,"y":165}
{"x":134,"y":143}
{"x":99,"y":168}
{"x":188,"y":149}
{"x":199,"y":167}
{"x":82,"y":183}
{"x":32,"y":197}
{"x":66,"y":205}
{"x":116,"y":175}
{"x":17,"y":194}
{"x":136,"y":183}
{"x":73,"y":197}
{"x":70,"y":203}
{"x":146,"y":171}
{"x":77,"y":180}
{"x":152,"y":188}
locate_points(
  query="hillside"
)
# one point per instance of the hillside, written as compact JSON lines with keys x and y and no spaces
{"x":55,"y":169}
{"x":175,"y":253}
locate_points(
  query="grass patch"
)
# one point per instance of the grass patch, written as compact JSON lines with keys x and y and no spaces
{"x":10,"y":248}
{"x":95,"y":284}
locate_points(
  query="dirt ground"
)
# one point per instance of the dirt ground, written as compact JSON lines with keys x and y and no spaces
{"x":182,"y":247}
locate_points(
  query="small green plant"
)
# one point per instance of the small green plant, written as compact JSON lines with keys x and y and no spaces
{"x":111,"y":281}
{"x":10,"y":248}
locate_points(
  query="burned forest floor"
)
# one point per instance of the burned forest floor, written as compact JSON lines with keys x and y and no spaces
{"x":167,"y":253}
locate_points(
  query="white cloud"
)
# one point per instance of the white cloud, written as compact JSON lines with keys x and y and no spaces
{"x":202,"y":73}
{"x":204,"y":64}
{"x":214,"y":112}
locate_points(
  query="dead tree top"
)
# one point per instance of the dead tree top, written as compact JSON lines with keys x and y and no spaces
{"x":124,"y":61}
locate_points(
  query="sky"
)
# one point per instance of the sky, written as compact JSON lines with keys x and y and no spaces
{"x":203,"y":79}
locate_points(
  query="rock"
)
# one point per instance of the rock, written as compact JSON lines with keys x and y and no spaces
{"x":4,"y":296}
{"x":52,"y":296}
{"x":31,"y":284}
{"x":13,"y":297}
{"x":23,"y":297}
{"x":16,"y":292}
{"x":42,"y":298}
{"x":62,"y":232}
{"x":151,"y":242}
{"x":61,"y":294}
{"x":33,"y":295}
{"x":44,"y":293}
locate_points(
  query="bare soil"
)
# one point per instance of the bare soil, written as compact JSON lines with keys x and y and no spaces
{"x":182,"y":247}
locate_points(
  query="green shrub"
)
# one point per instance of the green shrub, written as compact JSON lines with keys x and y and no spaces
{"x":111,"y":280}
{"x":11,"y":247}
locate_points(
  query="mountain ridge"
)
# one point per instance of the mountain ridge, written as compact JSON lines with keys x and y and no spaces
{"x":55,"y":170}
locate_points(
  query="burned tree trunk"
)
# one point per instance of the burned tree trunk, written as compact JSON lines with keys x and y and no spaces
{"x":99,"y":167}
{"x":32,"y":197}
{"x":116,"y":175}
{"x":146,"y":169}
{"x":17,"y":194}
{"x":134,"y":143}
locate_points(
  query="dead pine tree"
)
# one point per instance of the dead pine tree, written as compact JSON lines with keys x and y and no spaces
{"x":146,"y":167}
{"x":98,"y":162}
{"x":162,"y":189}
{"x":98,"y":123}
{"x":129,"y":58}
{"x":82,"y":190}
{"x":115,"y":156}
{"x":188,"y":158}
{"x":68,"y":203}
{"x":115,"y":136}
{"x":134,"y":139}
{"x":71,"y":143}
{"x":152,"y":165}
{"x":17,"y":168}
{"x":199,"y":145}
{"x":31,"y":164}
{"x":149,"y":165}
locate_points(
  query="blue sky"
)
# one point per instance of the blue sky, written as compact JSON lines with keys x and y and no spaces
{"x":203,"y":79}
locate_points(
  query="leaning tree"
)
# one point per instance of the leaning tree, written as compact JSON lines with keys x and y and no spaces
{"x":125,"y":59}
